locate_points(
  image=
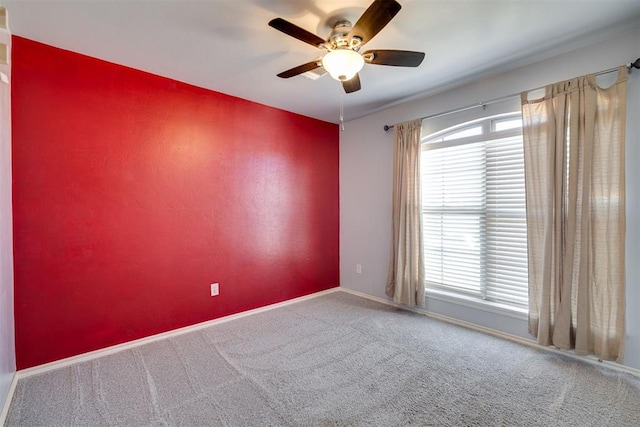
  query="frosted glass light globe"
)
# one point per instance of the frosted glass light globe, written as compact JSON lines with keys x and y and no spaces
{"x":343,"y":64}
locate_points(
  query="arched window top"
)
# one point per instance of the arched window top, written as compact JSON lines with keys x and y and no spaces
{"x":496,"y":126}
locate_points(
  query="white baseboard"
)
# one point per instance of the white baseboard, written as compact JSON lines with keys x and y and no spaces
{"x":7,"y":402}
{"x":530,"y":342}
{"x":57,"y":364}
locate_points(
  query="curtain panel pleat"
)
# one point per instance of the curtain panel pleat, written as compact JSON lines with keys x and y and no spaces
{"x":405,"y":279}
{"x":575,"y":194}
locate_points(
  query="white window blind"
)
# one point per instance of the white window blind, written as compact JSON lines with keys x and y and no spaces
{"x":474,"y":210}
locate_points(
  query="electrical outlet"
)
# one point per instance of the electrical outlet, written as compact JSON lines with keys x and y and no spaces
{"x":215,"y":289}
{"x":358,"y":269}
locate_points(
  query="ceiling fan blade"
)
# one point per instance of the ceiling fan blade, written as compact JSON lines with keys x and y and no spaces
{"x":398,"y":58}
{"x":300,"y":69}
{"x":352,"y":84}
{"x":374,"y":19}
{"x":297,"y":32}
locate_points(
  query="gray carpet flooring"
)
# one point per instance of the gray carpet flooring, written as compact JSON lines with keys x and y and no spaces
{"x":333,"y":360}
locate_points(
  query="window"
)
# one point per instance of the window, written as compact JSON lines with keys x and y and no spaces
{"x":473,"y":198}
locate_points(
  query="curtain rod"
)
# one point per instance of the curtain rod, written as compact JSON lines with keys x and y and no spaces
{"x":630,"y":66}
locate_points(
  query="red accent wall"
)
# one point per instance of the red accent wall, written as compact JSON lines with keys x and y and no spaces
{"x":133,"y":192}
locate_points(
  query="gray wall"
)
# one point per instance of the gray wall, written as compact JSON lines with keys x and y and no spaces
{"x":366,"y":174}
{"x":7,"y":347}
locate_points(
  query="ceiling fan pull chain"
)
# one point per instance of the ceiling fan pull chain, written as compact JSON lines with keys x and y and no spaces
{"x":341,"y":111}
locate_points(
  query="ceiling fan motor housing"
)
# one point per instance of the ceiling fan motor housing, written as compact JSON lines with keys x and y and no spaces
{"x":339,"y":37}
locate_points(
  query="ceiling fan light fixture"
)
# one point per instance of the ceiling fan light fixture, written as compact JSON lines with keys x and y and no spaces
{"x":343,"y":60}
{"x":343,"y":64}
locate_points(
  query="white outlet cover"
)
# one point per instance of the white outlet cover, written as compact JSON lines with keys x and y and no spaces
{"x":215,"y":289}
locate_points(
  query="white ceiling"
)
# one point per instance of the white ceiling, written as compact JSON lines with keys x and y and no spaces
{"x":227,"y":46}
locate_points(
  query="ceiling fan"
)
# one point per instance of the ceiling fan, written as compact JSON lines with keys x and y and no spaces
{"x":343,"y":60}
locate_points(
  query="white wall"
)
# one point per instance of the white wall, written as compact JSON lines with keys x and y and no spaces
{"x":7,"y":346}
{"x":366,"y":175}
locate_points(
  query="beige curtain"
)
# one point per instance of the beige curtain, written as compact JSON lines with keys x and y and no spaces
{"x":405,"y":279}
{"x":575,"y":191}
